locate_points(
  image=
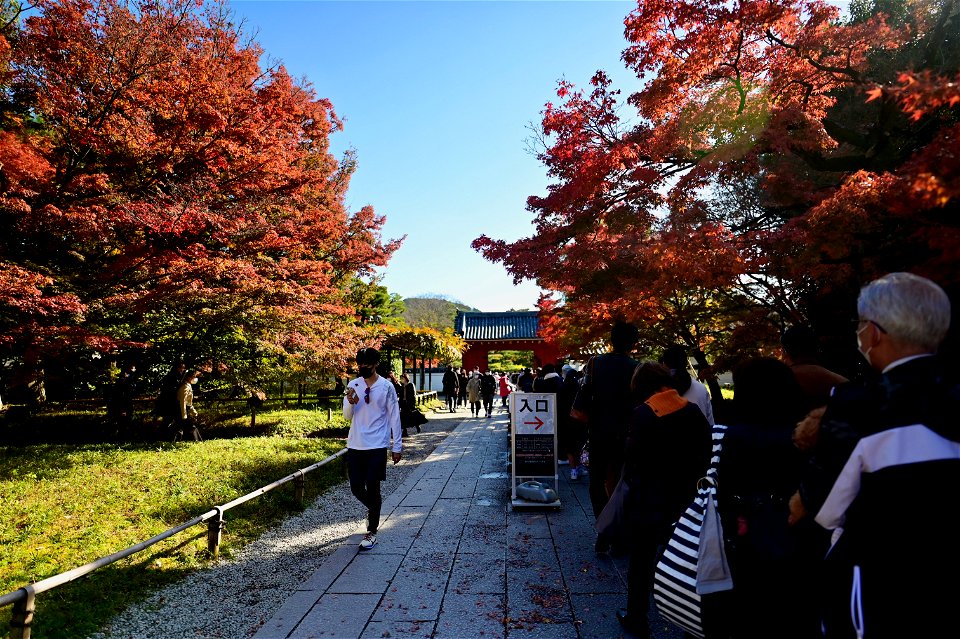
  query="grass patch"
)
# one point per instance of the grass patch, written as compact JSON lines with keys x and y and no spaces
{"x":68,"y":504}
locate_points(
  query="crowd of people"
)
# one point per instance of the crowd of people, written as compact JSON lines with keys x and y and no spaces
{"x":831,"y":492}
{"x":827,"y":487}
{"x":476,"y":390}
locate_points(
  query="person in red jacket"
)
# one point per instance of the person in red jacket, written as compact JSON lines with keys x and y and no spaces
{"x":505,"y":388}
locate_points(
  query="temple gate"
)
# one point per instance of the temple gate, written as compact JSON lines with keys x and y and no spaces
{"x":506,"y":331}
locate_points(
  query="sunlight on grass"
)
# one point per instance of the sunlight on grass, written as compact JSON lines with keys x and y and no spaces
{"x":67,"y":505}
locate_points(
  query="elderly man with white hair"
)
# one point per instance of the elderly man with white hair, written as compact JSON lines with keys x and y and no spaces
{"x":882,"y":476}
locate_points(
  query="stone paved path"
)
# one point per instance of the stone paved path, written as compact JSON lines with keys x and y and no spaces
{"x":453,"y":560}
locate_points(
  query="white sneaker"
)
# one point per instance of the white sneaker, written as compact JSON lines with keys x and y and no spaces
{"x":368,"y":542}
{"x":562,"y":462}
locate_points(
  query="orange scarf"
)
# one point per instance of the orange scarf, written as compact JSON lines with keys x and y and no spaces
{"x":665,"y":402}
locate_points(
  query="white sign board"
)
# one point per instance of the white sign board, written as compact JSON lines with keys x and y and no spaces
{"x":534,"y":413}
{"x":533,"y":424}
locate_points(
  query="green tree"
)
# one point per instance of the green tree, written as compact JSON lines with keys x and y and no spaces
{"x":436,"y":312}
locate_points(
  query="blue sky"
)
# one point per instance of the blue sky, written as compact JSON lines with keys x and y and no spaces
{"x":436,"y":98}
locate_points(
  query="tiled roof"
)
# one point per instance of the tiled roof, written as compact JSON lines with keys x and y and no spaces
{"x":497,"y":326}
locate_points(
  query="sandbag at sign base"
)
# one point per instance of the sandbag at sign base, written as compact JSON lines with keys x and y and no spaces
{"x":537,"y":491}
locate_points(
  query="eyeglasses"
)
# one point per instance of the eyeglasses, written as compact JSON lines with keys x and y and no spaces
{"x":858,"y":322}
{"x":366,"y":395}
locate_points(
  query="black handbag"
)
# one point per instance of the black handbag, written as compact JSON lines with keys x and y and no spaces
{"x":612,"y":526}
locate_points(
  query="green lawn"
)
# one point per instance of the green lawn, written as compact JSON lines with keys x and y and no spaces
{"x":68,"y":504}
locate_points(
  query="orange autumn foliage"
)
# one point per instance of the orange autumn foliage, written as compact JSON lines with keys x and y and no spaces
{"x":777,"y":156}
{"x":159,"y":186}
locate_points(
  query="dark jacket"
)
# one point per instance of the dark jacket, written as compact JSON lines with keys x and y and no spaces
{"x":549,"y":383}
{"x":525,"y":382}
{"x":884,"y":470}
{"x":451,"y":383}
{"x":611,"y":403}
{"x":759,"y":469}
{"x":408,"y":397}
{"x":488,"y":385}
{"x":665,"y":456}
{"x":568,"y":393}
{"x":166,"y":404}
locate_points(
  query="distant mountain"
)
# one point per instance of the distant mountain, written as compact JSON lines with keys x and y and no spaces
{"x":434,"y":311}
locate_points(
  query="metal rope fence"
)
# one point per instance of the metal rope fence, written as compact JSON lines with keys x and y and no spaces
{"x":24,"y":599}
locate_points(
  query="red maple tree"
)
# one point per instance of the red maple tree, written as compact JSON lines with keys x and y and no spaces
{"x":776,"y":158}
{"x":159,"y":187}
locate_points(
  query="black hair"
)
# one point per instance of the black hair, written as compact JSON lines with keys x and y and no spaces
{"x":799,"y":341}
{"x":675,"y":358}
{"x":369,"y":356}
{"x":649,"y":378}
{"x":623,"y":336}
{"x":765,"y":391}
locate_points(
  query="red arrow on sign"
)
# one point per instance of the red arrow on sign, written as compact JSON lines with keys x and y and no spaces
{"x":538,"y":423}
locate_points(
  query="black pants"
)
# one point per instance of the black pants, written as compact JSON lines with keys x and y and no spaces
{"x":643,"y":559}
{"x":488,"y":403}
{"x":606,"y":465}
{"x":366,"y":469}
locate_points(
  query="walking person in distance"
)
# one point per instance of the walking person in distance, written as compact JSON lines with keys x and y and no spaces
{"x":488,"y":387}
{"x":187,"y":413}
{"x":451,"y":388}
{"x":473,"y":393}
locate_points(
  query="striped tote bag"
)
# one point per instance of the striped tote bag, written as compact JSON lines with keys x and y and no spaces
{"x":675,"y":576}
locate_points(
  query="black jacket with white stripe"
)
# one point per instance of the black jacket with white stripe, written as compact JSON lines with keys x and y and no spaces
{"x":892,"y":451}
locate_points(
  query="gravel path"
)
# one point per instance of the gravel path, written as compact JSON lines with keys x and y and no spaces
{"x":232,"y":598}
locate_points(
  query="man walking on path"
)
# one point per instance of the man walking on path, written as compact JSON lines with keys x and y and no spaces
{"x":372,"y":407}
{"x":451,"y":388}
{"x":488,"y":386}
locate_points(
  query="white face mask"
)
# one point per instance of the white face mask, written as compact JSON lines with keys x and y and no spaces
{"x":865,"y":353}
{"x":194,"y":380}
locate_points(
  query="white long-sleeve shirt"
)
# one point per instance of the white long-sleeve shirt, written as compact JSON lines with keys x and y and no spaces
{"x":372,"y":424}
{"x":699,"y":395}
